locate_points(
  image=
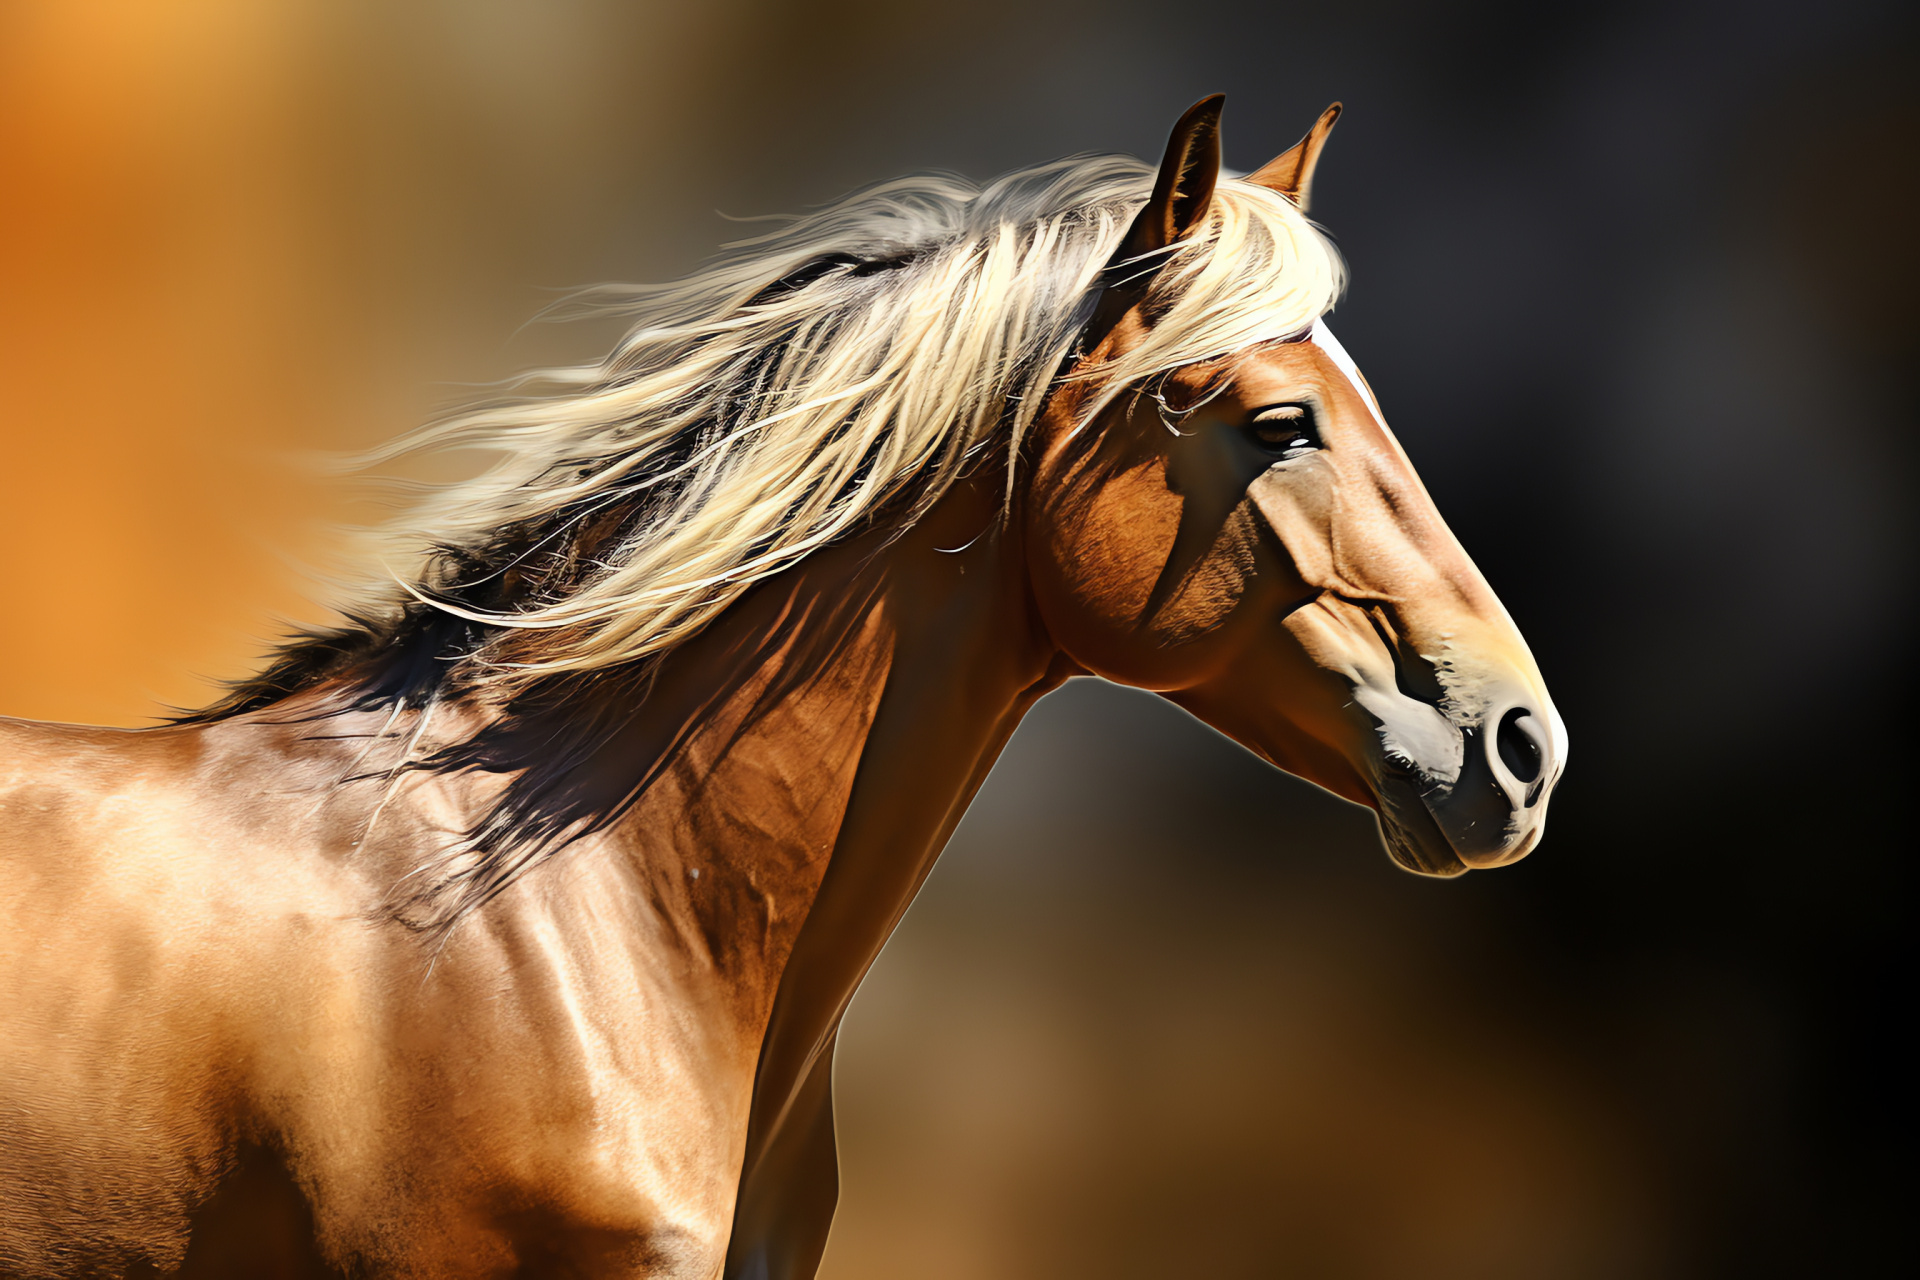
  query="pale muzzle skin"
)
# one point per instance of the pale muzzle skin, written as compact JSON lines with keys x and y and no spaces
{"x":1309,"y":600}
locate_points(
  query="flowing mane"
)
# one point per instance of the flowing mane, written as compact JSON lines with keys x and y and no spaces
{"x":834,"y":375}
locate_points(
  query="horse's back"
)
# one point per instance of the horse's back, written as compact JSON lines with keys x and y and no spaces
{"x":90,"y":843}
{"x":85,"y":887}
{"x":113,"y":1124}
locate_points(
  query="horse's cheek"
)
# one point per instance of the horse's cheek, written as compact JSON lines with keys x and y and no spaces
{"x":1298,"y":505}
{"x":1104,"y":551}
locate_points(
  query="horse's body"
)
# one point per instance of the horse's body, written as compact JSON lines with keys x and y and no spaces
{"x":236,"y":1041}
{"x":192,"y":956}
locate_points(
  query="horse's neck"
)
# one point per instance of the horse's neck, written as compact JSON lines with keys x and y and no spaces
{"x":964,"y":657}
{"x":786,"y":837}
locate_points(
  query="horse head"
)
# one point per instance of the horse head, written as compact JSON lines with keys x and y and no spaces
{"x":1245,"y":536}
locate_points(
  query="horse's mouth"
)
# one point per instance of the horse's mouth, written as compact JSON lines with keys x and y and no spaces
{"x":1407,"y":827}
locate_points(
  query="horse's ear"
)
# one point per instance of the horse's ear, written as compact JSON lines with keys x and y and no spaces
{"x":1185,"y":186}
{"x":1291,"y":173}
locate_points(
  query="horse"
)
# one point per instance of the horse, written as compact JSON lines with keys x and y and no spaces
{"x":505,"y":925}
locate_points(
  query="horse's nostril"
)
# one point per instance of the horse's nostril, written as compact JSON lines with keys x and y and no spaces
{"x":1518,"y":742}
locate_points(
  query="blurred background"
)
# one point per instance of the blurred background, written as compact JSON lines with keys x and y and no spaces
{"x":1635,"y":283}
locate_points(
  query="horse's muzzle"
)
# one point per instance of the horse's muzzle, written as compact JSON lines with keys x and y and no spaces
{"x":1479,"y":797}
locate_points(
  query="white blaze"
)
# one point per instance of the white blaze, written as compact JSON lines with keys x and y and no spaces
{"x":1322,"y":337}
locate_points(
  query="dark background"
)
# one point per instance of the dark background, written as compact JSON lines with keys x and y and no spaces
{"x":1636,"y":285}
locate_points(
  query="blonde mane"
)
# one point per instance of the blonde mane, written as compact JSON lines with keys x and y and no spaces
{"x":832,"y":376}
{"x":848,"y":364}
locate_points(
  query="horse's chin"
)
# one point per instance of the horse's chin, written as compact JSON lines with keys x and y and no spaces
{"x":1421,"y":858}
{"x":1414,"y":840}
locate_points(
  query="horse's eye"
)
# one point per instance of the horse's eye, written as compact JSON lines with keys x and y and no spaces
{"x":1286,"y":431}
